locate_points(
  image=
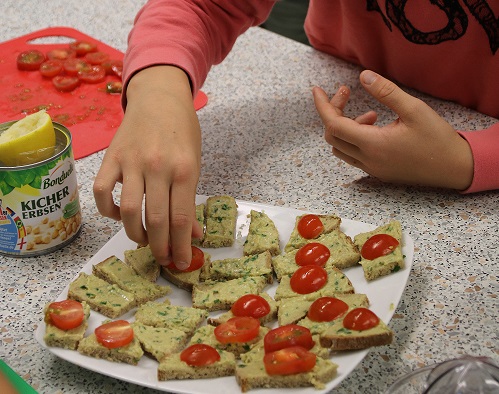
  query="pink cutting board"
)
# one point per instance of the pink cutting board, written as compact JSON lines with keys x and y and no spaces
{"x":91,"y":115}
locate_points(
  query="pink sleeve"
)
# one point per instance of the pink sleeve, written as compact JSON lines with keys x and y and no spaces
{"x":485,"y":148}
{"x":190,"y":34}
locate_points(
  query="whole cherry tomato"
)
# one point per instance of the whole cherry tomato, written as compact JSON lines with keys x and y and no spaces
{"x":251,"y":305}
{"x":308,"y":279}
{"x":313,"y":253}
{"x":199,"y":355}
{"x":114,"y":334}
{"x":287,"y":336}
{"x":310,"y":226}
{"x":66,"y":314}
{"x":327,"y":309}
{"x":378,"y":245}
{"x":196,"y":263}
{"x":289,"y":361}
{"x":360,"y":319}
{"x":238,"y":329}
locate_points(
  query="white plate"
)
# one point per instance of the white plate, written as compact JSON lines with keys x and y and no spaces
{"x":384,"y":295}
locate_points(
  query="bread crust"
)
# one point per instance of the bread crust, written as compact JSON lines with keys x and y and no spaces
{"x":356,"y":343}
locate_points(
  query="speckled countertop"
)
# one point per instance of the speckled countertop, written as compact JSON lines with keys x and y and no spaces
{"x":262,"y":142}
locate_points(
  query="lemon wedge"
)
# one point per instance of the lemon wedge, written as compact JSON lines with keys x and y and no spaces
{"x":28,"y":141}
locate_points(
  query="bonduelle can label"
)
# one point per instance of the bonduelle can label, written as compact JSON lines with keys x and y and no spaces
{"x":39,"y":205}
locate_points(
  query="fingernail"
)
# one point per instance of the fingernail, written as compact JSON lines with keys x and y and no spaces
{"x":368,"y":77}
{"x":182,"y":265}
{"x":164,"y":263}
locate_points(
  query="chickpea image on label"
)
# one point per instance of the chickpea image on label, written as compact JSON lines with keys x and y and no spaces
{"x":49,"y":232}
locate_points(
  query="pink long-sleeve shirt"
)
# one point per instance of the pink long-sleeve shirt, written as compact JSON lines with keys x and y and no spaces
{"x":449,"y":51}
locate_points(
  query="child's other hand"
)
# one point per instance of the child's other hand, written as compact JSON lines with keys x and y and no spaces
{"x":417,"y":148}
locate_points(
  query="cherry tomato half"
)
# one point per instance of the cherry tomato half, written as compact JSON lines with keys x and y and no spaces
{"x":96,"y":57}
{"x":81,"y":48}
{"x":61,"y":54}
{"x":50,"y":68}
{"x":114,"y":334}
{"x":30,"y":60}
{"x":196,"y":263}
{"x":327,"y":309}
{"x":310,"y":226}
{"x":73,"y":65}
{"x":287,"y":336}
{"x":114,"y":87}
{"x":378,"y":245}
{"x":289,"y":361}
{"x":199,"y":354}
{"x":117,"y":69}
{"x":360,"y":319}
{"x":109,"y":64}
{"x":65,"y":83}
{"x":251,"y":305}
{"x":308,"y":279}
{"x":65,"y":314}
{"x":92,"y":74}
{"x":312,"y":253}
{"x":238,"y":329}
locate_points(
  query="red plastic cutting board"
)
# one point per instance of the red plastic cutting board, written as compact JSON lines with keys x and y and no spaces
{"x":90,"y":114}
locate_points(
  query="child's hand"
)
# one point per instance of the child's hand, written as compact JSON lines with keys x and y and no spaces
{"x":156,"y":155}
{"x":417,"y":148}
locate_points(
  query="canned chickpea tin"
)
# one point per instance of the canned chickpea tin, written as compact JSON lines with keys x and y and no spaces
{"x":39,"y":205}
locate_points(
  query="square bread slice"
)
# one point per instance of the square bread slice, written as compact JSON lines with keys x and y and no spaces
{"x":215,"y":296}
{"x":109,"y":299}
{"x":113,"y":270}
{"x":238,"y":267}
{"x":159,"y":342}
{"x":143,"y":262}
{"x":383,"y":265}
{"x":172,"y":367}
{"x":337,"y":282}
{"x":262,"y":235}
{"x":337,"y":337}
{"x":184,"y":280}
{"x":292,"y":310}
{"x":200,"y":218}
{"x":221,"y":219}
{"x":252,"y":375}
{"x":270,"y":317}
{"x":130,"y":354}
{"x":344,"y":252}
{"x":206,"y":335}
{"x":296,"y":241}
{"x":163,"y":314}
{"x":67,"y":339}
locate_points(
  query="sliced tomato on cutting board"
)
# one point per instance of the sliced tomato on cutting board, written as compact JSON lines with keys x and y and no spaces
{"x":91,"y":114}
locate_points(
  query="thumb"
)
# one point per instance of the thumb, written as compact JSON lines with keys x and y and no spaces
{"x":387,"y":93}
